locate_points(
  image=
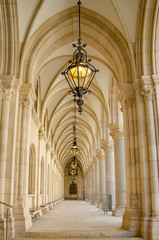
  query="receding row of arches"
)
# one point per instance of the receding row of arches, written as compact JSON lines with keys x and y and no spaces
{"x":46,"y":174}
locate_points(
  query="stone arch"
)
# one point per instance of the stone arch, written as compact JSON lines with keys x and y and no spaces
{"x":39,"y":47}
{"x":9,"y":47}
{"x":148,"y":39}
{"x":155,"y":45}
{"x":78,"y":181}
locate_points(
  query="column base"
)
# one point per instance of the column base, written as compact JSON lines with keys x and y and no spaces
{"x":22,"y":219}
{"x":10,"y":227}
{"x":2,"y":227}
{"x":132,"y":223}
{"x":118,"y":211}
{"x":154,"y":228}
{"x":145,"y":228}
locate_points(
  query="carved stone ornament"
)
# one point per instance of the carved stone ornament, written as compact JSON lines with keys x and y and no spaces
{"x":100,"y":154}
{"x":109,"y":148}
{"x":117,"y":133}
{"x":8,"y":92}
{"x":25,"y":101}
{"x":148,"y":92}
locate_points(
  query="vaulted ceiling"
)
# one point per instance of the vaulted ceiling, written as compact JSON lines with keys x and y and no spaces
{"x":47,"y":30}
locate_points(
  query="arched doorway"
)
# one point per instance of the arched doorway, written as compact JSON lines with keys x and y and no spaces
{"x":73,"y":189}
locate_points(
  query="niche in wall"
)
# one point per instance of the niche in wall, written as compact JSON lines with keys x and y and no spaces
{"x":73,"y":190}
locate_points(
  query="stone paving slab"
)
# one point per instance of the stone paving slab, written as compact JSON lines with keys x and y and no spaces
{"x":77,"y":220}
{"x":76,"y":215}
{"x":79,"y":238}
{"x":77,"y":234}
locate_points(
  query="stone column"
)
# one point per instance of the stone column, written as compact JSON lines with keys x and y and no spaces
{"x":87,"y":187}
{"x":101,"y":157}
{"x":25,"y":104}
{"x":97,"y":181}
{"x":90,"y":185}
{"x":22,"y":216}
{"x":7,"y":91}
{"x":148,"y":92}
{"x":93,"y":183}
{"x":110,"y":171}
{"x":120,"y":178}
{"x":132,"y":215}
{"x":48,"y":185}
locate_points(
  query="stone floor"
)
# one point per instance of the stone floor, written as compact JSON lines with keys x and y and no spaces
{"x":76,"y":215}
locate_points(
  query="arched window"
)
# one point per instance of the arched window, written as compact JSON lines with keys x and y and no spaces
{"x":32,"y":170}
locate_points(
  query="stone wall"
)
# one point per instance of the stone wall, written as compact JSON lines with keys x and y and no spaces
{"x":79,"y":180}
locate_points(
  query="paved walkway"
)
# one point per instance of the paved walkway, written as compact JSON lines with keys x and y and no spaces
{"x":76,"y":215}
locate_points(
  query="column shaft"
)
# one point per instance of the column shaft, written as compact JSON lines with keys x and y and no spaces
{"x":110,"y":171}
{"x":153,"y":164}
{"x":22,"y":151}
{"x":101,"y":157}
{"x":93,"y":179}
{"x":120,"y":178}
{"x":3,"y":147}
{"x":97,"y":182}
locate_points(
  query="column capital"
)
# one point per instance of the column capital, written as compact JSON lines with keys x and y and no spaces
{"x":25,"y":101}
{"x":27,"y":92}
{"x":116,"y":131}
{"x":7,"y":88}
{"x":100,"y":154}
{"x":148,"y":92}
{"x":108,"y":146}
{"x":127,"y":93}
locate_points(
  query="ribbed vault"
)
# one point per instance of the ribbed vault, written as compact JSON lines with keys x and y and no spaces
{"x":45,"y":55}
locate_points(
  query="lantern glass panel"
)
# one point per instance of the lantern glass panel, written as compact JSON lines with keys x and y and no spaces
{"x":79,"y":75}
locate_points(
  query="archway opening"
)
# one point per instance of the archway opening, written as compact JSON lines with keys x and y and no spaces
{"x":73,"y":189}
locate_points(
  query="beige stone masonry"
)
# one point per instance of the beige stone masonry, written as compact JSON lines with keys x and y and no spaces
{"x":120,"y":180}
{"x":108,"y":147}
{"x":101,"y":157}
